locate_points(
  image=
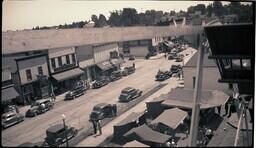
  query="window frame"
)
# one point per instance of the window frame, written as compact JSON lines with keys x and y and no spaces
{"x":28,"y":74}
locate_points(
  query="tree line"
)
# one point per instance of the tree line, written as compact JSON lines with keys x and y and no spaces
{"x":130,"y":16}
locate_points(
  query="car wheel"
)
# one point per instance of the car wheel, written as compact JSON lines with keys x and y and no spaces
{"x":58,"y":141}
{"x":75,"y":132}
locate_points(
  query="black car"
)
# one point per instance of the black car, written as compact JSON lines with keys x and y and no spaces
{"x":40,"y":107}
{"x":163,"y":75}
{"x":11,"y":118}
{"x":129,"y":94}
{"x":101,"y":81}
{"x":179,"y":59}
{"x":172,"y":56}
{"x":55,"y":135}
{"x":77,"y":90}
{"x":128,"y":70}
{"x":175,"y":68}
{"x":102,"y":110}
{"x":131,"y":57}
{"x":115,"y":75}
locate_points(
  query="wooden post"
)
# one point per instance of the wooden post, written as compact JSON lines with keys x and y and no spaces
{"x":197,"y":95}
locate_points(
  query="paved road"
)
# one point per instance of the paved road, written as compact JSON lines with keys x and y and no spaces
{"x":77,"y":111}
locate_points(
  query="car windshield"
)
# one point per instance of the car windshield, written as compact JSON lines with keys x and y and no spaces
{"x":123,"y":95}
{"x":97,"y":109}
{"x":7,"y":116}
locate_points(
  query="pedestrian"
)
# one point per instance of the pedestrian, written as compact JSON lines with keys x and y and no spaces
{"x":94,"y":126}
{"x":165,"y":55}
{"x":179,"y":75}
{"x":99,"y":126}
{"x":17,"y":109}
{"x":219,"y":109}
{"x":232,"y":108}
{"x":227,"y":106}
{"x":133,"y":64}
{"x":114,"y":109}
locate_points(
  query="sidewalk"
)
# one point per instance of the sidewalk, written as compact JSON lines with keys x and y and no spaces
{"x":107,"y":130}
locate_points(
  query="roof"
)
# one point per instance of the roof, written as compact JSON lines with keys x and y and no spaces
{"x":55,"y":128}
{"x":235,"y":39}
{"x":206,"y":63}
{"x":171,"y":117}
{"x":6,"y":75}
{"x":105,"y":65}
{"x":67,"y":74}
{"x":130,"y":118}
{"x":32,"y":40}
{"x":183,"y":98}
{"x":9,"y":94}
{"x":135,"y":143}
{"x":144,"y":133}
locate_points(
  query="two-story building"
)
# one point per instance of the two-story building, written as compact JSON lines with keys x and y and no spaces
{"x":31,"y":77}
{"x":9,"y":94}
{"x":63,"y":68}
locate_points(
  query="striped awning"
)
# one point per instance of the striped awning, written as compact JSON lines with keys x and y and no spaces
{"x":68,"y":74}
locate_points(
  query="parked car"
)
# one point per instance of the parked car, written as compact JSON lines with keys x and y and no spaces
{"x":163,"y":75}
{"x":179,"y":59}
{"x":129,"y":94}
{"x":172,"y":56}
{"x":55,"y":135}
{"x":131,"y":57}
{"x":116,"y":75}
{"x":77,"y":90}
{"x":11,"y":118}
{"x":128,"y":70}
{"x":101,"y":81}
{"x":101,"y":111}
{"x":175,"y":68}
{"x":40,"y":107}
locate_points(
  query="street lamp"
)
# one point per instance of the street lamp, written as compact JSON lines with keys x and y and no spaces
{"x":63,"y":118}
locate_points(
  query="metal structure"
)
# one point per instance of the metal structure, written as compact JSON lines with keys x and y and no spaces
{"x":235,"y":58}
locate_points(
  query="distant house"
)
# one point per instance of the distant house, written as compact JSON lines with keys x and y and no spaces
{"x":90,"y":24}
{"x":210,"y":75}
{"x":31,"y":77}
{"x":63,"y":68}
{"x":9,"y":95}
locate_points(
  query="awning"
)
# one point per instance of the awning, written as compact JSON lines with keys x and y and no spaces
{"x":171,"y":117}
{"x":9,"y":94}
{"x":145,"y":134}
{"x":183,"y":98}
{"x":67,"y":74}
{"x":135,"y":144}
{"x":105,"y":65}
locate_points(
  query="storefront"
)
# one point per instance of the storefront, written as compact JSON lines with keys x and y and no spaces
{"x":64,"y":80}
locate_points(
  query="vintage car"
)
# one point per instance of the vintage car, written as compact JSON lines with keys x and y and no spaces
{"x":77,"y":90}
{"x":101,"y":81}
{"x":175,"y":68}
{"x":179,"y":59}
{"x":163,"y":75}
{"x":115,"y":75}
{"x":131,"y":57}
{"x":101,"y":111}
{"x":129,"y":94}
{"x":11,"y":118}
{"x":172,"y":56}
{"x":40,"y":107}
{"x":55,"y":135}
{"x":128,"y":70}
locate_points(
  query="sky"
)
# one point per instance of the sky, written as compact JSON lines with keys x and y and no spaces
{"x":26,"y":14}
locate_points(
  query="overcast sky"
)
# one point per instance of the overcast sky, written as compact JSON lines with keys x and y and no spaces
{"x":26,"y":14}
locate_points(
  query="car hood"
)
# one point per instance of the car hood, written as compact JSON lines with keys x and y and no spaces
{"x":33,"y":108}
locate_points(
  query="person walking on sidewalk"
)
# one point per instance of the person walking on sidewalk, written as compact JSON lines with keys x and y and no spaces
{"x":99,"y":126}
{"x":94,"y":126}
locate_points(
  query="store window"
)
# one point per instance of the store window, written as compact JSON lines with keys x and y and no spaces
{"x":40,"y":70}
{"x":60,"y":61}
{"x":29,"y":75}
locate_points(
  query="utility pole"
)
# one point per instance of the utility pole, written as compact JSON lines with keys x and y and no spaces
{"x":197,"y":94}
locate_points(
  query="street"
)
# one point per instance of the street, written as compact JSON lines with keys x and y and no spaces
{"x":77,"y":111}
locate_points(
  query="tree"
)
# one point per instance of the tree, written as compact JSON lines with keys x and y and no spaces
{"x":102,"y":21}
{"x":129,"y":17}
{"x":115,"y":18}
{"x":209,"y":10}
{"x":218,"y":9}
{"x":201,"y":8}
